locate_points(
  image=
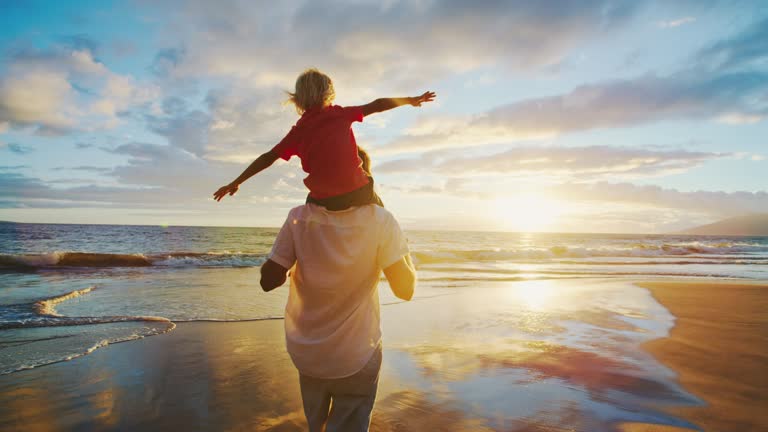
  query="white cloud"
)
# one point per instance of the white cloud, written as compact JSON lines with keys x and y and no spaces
{"x":611,"y":104}
{"x":367,"y":43}
{"x":739,"y":118}
{"x":58,"y":91}
{"x":676,"y":22}
{"x":246,"y":122}
{"x":38,"y":97}
{"x":587,"y":163}
{"x":717,"y":203}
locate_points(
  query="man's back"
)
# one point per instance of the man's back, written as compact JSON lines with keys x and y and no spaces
{"x":332,"y":317}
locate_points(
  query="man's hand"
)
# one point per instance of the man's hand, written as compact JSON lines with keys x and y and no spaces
{"x":230,"y":189}
{"x":273,"y":275}
{"x":418,"y":100}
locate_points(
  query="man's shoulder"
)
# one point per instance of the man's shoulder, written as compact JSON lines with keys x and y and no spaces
{"x":382,"y":213}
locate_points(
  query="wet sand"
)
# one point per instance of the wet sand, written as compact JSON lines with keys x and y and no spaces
{"x":451,"y":363}
{"x":719,"y":348}
{"x":200,"y":377}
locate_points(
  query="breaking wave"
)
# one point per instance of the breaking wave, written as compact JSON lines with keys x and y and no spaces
{"x":42,"y":313}
{"x":89,"y":259}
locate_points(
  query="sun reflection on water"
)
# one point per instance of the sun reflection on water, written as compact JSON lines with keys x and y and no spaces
{"x":534,"y":295}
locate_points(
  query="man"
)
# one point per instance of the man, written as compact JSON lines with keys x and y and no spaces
{"x":332,"y":321}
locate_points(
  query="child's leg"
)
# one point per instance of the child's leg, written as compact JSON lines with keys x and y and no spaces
{"x":358,"y":197}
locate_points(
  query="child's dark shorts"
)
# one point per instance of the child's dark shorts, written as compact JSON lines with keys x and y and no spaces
{"x":358,"y":197}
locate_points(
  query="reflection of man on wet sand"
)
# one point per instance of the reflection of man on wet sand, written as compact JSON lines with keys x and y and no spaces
{"x":332,"y":322}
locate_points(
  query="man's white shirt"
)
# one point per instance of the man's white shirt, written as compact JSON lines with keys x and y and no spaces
{"x":332,"y":320}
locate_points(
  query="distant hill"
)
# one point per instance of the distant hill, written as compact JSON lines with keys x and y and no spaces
{"x":747,"y":225}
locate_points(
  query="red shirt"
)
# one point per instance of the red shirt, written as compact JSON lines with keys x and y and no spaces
{"x":323,"y":140}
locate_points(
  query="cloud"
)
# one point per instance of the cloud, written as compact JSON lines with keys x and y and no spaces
{"x":611,"y":104}
{"x":61,"y":90}
{"x":80,"y":42}
{"x":89,"y":168}
{"x":235,"y":123}
{"x":246,"y":122}
{"x":717,"y":203}
{"x":739,"y":118}
{"x":19,"y":148}
{"x":579,"y":163}
{"x":186,"y":130}
{"x":166,"y":60}
{"x":676,"y":22}
{"x":748,"y":48}
{"x":720,"y":85}
{"x":37,"y":98}
{"x":162,"y":166}
{"x":363,"y":42}
{"x":187,"y":176}
{"x":18,"y":190}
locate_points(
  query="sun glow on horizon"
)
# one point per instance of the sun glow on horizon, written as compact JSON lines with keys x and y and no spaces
{"x":528,"y":212}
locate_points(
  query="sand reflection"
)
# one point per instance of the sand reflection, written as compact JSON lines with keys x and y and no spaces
{"x":479,"y":360}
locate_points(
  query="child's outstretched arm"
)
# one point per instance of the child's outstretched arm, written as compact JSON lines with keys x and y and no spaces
{"x":261,"y":163}
{"x":384,"y":104}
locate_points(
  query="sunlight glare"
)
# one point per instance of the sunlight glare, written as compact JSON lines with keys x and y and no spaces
{"x":534,"y":295}
{"x":527,"y":213}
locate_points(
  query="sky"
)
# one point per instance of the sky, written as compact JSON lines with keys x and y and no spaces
{"x":566,"y":116}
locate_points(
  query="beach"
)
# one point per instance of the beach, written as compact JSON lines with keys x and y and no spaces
{"x":719,"y":348}
{"x":445,"y":370}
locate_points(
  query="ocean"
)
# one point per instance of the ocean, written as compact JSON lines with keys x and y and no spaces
{"x":67,"y":290}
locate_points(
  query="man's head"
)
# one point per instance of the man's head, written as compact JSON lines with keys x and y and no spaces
{"x":314,"y":89}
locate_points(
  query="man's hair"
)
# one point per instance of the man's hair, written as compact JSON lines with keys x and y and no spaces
{"x":365,"y":158}
{"x":313,"y":89}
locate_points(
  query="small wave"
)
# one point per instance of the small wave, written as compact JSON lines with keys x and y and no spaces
{"x":73,"y":259}
{"x":45,"y":315}
{"x":76,"y":321}
{"x":207,"y":259}
{"x":47,"y":307}
{"x":90,"y":349}
{"x":89,"y":259}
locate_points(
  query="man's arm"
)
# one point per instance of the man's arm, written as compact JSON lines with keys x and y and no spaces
{"x":261,"y":163}
{"x":273,"y":275}
{"x":384,"y":104}
{"x":402,"y":277}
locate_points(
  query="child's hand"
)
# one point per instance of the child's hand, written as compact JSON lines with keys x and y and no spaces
{"x":418,"y":100}
{"x":230,"y":189}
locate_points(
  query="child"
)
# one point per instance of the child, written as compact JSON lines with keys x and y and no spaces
{"x":323,"y":140}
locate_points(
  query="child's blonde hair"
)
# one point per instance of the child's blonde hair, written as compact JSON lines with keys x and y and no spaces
{"x":313,"y":89}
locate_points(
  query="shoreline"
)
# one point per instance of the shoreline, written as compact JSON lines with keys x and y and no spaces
{"x":718,"y":350}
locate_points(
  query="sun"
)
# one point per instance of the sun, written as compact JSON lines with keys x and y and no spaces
{"x":527,"y":213}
